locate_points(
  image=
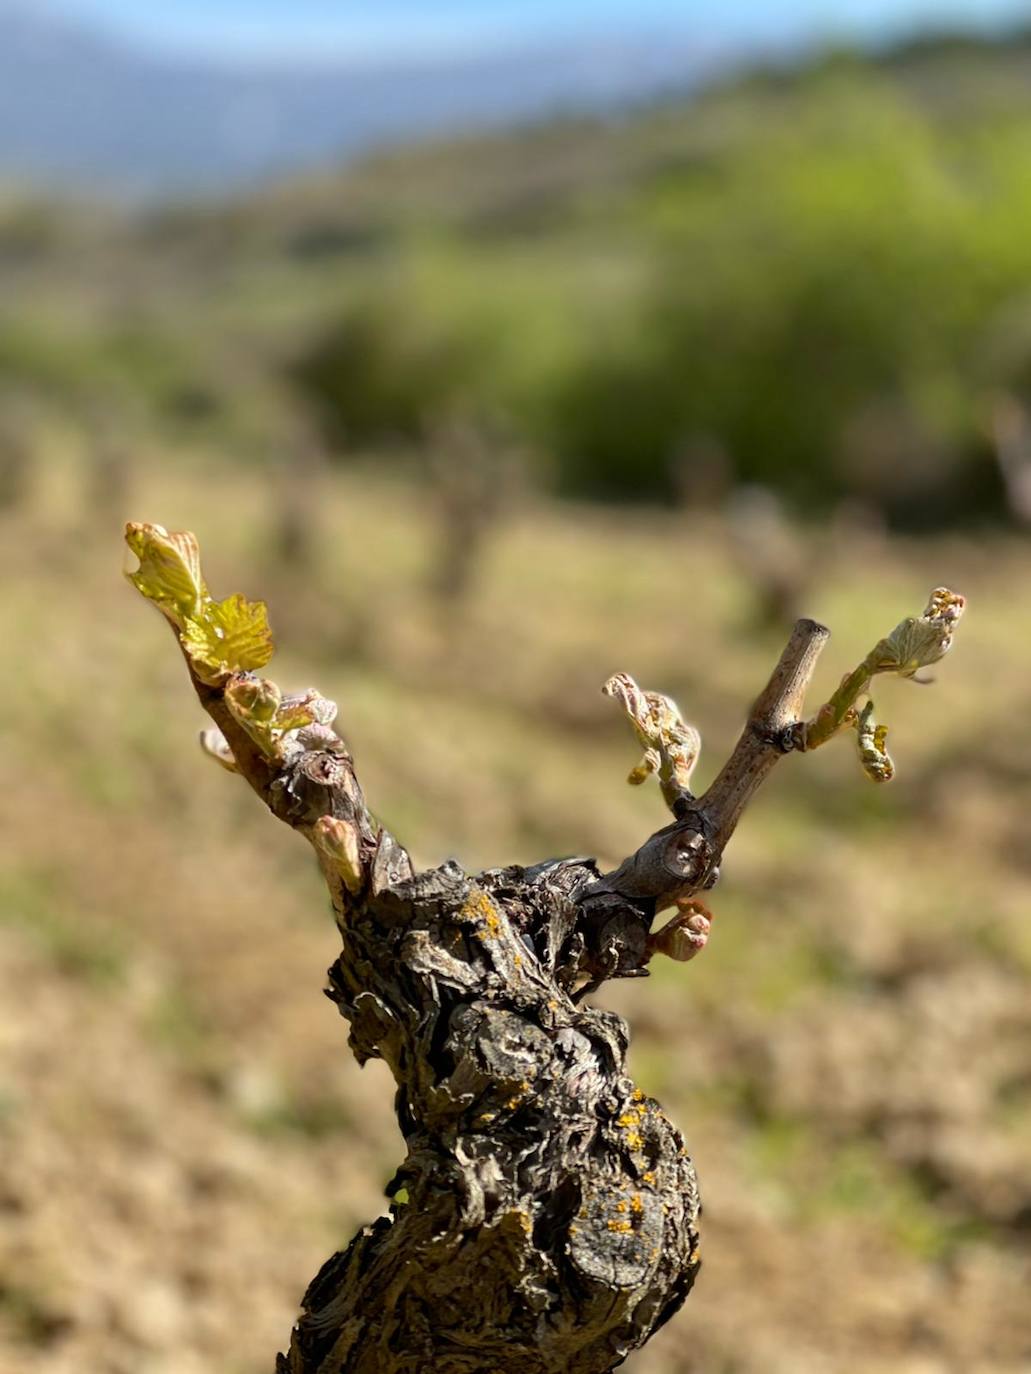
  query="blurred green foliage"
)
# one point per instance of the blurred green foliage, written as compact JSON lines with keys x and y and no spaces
{"x":821,"y":306}
{"x":831,"y":274}
{"x":386,"y":370}
{"x":816,"y":280}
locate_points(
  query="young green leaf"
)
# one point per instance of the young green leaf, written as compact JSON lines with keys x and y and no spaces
{"x":169,"y":572}
{"x":918,"y":642}
{"x":228,"y":636}
{"x":913,"y":644}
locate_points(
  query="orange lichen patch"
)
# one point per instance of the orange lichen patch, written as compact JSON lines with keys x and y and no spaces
{"x":479,"y":910}
{"x":636,"y":1205}
{"x":621,"y":1206}
{"x":621,"y":1226}
{"x":631,"y":1120}
{"x":491,"y":927}
{"x":648,"y":1177}
{"x":478,"y":907}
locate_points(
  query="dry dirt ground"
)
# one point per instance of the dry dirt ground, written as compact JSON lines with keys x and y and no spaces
{"x":183,"y":1135}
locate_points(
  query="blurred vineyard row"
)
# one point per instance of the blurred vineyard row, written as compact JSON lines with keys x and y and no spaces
{"x":817,"y":281}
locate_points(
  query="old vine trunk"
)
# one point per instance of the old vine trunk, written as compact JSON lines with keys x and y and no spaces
{"x":544,"y":1218}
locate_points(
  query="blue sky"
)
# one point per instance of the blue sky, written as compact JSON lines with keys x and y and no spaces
{"x":403,"y":28}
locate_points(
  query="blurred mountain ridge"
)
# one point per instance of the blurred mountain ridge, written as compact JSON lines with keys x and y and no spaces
{"x":83,"y":109}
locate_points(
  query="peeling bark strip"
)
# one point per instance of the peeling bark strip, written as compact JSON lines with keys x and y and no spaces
{"x":543,"y":1221}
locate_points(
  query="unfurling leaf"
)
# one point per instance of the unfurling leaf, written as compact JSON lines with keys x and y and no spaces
{"x":337,"y":841}
{"x":305,"y":708}
{"x":254,"y":702}
{"x":912,"y":645}
{"x":253,"y":699}
{"x":169,"y":572}
{"x":213,"y":742}
{"x":258,"y":705}
{"x":917,"y":643}
{"x":871,"y":740}
{"x":228,"y":636}
{"x":671,"y":746}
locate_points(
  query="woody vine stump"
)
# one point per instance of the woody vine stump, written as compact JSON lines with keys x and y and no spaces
{"x":544,"y":1219}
